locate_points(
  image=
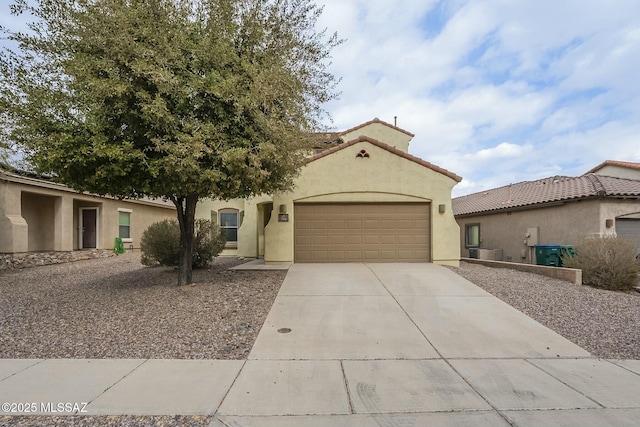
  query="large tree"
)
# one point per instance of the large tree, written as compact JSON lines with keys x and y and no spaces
{"x":180,"y":99}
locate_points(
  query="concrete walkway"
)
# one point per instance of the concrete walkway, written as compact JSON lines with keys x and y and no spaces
{"x":360,"y":345}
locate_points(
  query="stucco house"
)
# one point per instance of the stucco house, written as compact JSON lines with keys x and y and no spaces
{"x":40,"y":215}
{"x":505,"y":223}
{"x":361,"y":197}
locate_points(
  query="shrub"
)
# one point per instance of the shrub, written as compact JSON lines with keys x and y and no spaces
{"x":606,"y":263}
{"x":160,"y":243}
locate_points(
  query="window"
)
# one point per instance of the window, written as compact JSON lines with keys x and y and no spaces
{"x":472,"y":235}
{"x":229,"y":226}
{"x":124,"y":224}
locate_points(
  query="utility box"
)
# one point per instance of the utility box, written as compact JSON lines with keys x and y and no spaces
{"x":532,"y":236}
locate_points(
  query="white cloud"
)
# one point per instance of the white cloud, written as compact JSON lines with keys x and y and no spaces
{"x":501,"y":151}
{"x":496,"y":91}
{"x":558,"y":81}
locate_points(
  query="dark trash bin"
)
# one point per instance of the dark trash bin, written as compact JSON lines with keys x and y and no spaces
{"x":551,"y":255}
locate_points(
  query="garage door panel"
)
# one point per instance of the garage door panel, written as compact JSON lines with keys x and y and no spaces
{"x":303,"y":224}
{"x":370,"y":255}
{"x":388,"y":239}
{"x":406,"y":240}
{"x":320,"y":224}
{"x":371,"y":240}
{"x":421,"y":224}
{"x":420,"y":254}
{"x":388,"y":255}
{"x":349,"y":209}
{"x":320,"y":240}
{"x":338,"y":224}
{"x":354,"y":224}
{"x":354,"y":240}
{"x":371,"y":224}
{"x":405,"y":224}
{"x":362,"y":232}
{"x":338,"y":240}
{"x":303,"y":240}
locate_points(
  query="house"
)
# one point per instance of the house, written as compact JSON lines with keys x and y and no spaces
{"x":40,"y":215}
{"x":505,"y":223}
{"x":618,"y":169}
{"x":361,"y":197}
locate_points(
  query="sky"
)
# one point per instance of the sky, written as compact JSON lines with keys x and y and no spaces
{"x":496,"y":91}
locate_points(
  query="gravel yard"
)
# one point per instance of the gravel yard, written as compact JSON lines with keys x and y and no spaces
{"x":605,"y":323}
{"x":118,"y":308}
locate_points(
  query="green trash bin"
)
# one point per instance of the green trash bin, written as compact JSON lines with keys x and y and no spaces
{"x":118,"y":247}
{"x":551,"y":255}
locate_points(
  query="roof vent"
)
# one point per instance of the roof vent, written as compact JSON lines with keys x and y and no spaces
{"x":363,"y":154}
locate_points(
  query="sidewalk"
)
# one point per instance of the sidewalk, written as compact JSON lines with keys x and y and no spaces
{"x":360,"y":345}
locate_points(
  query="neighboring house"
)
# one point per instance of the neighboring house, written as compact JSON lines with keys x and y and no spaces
{"x":40,"y":215}
{"x":505,"y":223}
{"x":618,"y":169}
{"x":361,"y":197}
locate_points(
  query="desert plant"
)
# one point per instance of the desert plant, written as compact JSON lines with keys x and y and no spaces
{"x":160,"y":243}
{"x":606,"y":262}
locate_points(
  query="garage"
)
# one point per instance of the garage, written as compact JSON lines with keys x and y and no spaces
{"x":356,"y":232}
{"x":629,"y":228}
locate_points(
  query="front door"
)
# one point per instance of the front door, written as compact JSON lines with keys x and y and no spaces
{"x":88,"y":228}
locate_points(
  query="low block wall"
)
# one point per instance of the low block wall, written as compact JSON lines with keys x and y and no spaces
{"x":34,"y":259}
{"x":569,"y":274}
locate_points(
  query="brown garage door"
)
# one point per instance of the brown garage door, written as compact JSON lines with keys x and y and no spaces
{"x":362,"y":232}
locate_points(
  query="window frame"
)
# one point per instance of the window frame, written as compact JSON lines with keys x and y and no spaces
{"x":230,"y":244}
{"x":467,"y":229}
{"x":130,"y":212}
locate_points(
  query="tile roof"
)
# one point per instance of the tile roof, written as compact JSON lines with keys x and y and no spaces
{"x":619,"y":163}
{"x":545,"y":191}
{"x":390,"y":149}
{"x":30,"y":178}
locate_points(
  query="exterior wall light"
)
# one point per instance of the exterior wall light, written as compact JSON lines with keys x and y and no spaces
{"x":441,"y":208}
{"x":283,"y":216}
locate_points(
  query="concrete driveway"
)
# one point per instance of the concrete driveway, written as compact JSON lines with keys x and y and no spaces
{"x":411,"y":345}
{"x":363,"y":345}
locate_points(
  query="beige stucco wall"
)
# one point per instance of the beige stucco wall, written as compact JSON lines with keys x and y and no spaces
{"x":141,"y":217}
{"x":250,"y":233}
{"x":383,"y":177}
{"x":612,"y":209}
{"x":37,"y":215}
{"x":383,"y":133}
{"x":564,"y":224}
{"x":14,"y":232}
{"x":618,"y":171}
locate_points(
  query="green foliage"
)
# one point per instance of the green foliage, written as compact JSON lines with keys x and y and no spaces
{"x":165,"y":97}
{"x":181,"y":99}
{"x":160,"y":243}
{"x":607,"y":263}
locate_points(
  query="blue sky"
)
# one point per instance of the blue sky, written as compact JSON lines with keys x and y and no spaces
{"x":497,"y":91}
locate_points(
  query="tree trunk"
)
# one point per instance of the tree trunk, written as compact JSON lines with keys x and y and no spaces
{"x":186,"y":207}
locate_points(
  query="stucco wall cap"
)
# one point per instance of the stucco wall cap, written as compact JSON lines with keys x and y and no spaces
{"x":363,"y":138}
